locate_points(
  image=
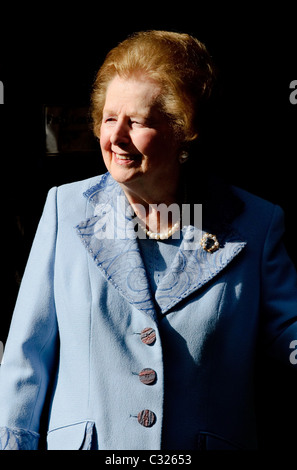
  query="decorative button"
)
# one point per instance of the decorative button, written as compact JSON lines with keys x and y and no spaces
{"x":146,"y":418}
{"x":148,"y":336}
{"x":147,"y":376}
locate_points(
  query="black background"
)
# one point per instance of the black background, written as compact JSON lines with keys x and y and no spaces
{"x":49,"y":55}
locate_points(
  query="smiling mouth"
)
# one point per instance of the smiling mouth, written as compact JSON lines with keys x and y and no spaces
{"x":125,"y":158}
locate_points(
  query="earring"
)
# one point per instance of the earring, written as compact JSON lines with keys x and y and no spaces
{"x":183,"y":157}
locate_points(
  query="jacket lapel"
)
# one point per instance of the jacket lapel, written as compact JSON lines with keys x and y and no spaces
{"x":110,"y":238}
{"x":193,"y":267}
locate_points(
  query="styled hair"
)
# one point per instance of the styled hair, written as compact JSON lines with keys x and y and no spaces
{"x":177,"y":62}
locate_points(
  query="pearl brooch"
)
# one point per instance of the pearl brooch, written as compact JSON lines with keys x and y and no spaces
{"x":209,"y":243}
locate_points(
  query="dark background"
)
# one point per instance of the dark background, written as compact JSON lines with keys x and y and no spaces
{"x":50,"y":54}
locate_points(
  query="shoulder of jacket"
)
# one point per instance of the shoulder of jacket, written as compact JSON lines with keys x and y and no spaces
{"x":258,"y":215}
{"x":254,"y":203}
{"x":70,"y":197}
{"x":79,"y":187}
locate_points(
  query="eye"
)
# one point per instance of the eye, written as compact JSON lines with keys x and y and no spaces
{"x":110,"y":121}
{"x":135,"y":123}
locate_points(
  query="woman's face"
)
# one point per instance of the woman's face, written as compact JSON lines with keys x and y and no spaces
{"x":137,"y":142}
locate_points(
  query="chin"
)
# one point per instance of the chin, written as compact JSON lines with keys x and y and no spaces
{"x":124,"y":176}
{"x":122,"y":173}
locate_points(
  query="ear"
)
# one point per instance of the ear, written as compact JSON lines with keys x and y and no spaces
{"x":183,"y":156}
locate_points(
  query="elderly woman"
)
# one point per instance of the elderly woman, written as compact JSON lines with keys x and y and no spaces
{"x":135,"y":326}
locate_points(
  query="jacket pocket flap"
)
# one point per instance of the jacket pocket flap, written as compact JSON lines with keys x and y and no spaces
{"x":211,"y":441}
{"x":77,"y":436}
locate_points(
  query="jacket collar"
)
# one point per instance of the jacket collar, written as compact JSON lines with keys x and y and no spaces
{"x":110,"y":238}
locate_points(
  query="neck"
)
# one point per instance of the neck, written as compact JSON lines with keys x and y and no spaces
{"x":147,"y":193}
{"x":158,"y":211}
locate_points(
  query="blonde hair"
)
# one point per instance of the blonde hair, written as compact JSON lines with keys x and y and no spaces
{"x":178,"y":62}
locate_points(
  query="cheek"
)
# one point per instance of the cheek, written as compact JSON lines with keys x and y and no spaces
{"x":104,"y":140}
{"x":160,"y":148}
{"x":147,"y":142}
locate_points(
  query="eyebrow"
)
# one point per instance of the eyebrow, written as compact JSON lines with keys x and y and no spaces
{"x":148,"y":119}
{"x":135,"y":114}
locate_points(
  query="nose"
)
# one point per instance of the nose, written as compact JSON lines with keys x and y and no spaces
{"x":120,"y":134}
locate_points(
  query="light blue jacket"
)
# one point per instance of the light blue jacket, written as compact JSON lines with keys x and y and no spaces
{"x":77,"y":343}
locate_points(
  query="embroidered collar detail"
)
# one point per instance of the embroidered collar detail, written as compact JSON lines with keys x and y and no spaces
{"x":110,"y":238}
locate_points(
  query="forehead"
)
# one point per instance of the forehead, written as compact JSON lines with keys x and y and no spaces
{"x":131,"y":95}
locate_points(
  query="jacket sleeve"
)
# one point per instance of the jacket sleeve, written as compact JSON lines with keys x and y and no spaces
{"x":31,"y":346}
{"x":279,"y":292}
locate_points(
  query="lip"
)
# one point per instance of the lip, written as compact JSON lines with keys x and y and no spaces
{"x":124,"y":159}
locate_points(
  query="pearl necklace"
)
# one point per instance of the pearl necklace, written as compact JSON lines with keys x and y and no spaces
{"x":161,"y":235}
